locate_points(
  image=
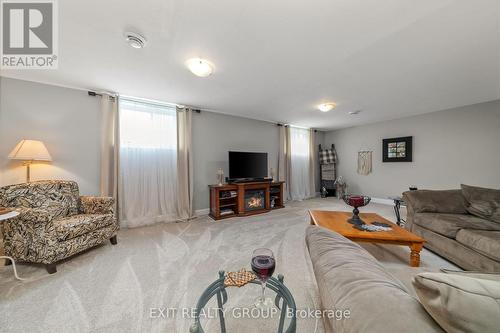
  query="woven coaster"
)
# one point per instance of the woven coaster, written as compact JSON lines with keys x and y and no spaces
{"x":238,"y":279}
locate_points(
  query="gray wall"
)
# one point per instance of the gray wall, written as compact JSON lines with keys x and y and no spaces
{"x":214,"y":135}
{"x":450,"y":147}
{"x":66,"y":120}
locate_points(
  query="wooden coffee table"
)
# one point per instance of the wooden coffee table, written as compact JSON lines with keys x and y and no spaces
{"x":337,"y":221}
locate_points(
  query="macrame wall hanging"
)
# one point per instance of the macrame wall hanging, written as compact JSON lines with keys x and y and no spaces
{"x":364,"y":162}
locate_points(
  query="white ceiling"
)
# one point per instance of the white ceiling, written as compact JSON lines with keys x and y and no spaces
{"x":276,"y":60}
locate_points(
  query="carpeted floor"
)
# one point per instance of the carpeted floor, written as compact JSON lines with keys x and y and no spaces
{"x":120,"y":288}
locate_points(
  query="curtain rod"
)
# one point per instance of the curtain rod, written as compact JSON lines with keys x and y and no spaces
{"x":149,"y":102}
{"x":140,"y":100}
{"x":158,"y":103}
{"x":94,"y":94}
{"x":286,"y":125}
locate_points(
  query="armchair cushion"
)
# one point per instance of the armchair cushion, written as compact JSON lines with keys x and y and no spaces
{"x":34,"y":215}
{"x":96,"y":205}
{"x":77,"y":225}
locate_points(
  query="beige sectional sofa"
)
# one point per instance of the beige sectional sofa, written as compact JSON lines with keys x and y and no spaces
{"x":397,"y":298}
{"x":351,"y":279}
{"x":462,"y":226}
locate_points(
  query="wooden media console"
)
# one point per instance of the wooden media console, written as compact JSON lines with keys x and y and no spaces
{"x":243,"y":199}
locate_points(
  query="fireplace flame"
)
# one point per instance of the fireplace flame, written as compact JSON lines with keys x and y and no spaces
{"x":254,"y":202}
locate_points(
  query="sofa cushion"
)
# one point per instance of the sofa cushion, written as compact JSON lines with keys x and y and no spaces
{"x":485,"y":242}
{"x":59,"y":198}
{"x":461,"y":302}
{"x":459,"y":254}
{"x":349,"y":278}
{"x":77,"y":225}
{"x":449,"y":224}
{"x":482,"y":202}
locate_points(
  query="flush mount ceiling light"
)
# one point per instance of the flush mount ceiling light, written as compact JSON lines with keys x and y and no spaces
{"x":200,"y":67}
{"x":135,"y":40}
{"x":325,"y":107}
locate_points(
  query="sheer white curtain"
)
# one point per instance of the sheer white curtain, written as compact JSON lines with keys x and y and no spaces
{"x":300,"y":186}
{"x":148,"y":163}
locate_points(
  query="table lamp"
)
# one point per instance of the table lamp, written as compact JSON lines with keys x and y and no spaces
{"x":30,"y":151}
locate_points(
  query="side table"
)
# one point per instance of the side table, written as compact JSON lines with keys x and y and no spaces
{"x":398,"y":202}
{"x":283,"y":300}
{"x":4,"y":217}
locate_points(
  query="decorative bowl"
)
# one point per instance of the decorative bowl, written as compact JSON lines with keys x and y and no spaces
{"x":356,"y":201}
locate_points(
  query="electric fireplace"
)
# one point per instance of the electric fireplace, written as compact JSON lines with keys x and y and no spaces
{"x":255,"y":199}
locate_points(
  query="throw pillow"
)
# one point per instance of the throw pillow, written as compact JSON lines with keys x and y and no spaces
{"x":461,"y":302}
{"x":482,"y":202}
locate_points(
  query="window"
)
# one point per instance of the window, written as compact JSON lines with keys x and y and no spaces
{"x":300,"y":164}
{"x":299,"y":141}
{"x":144,"y":125}
{"x":148,"y":163}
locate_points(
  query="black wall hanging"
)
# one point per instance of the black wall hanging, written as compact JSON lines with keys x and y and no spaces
{"x":397,"y":149}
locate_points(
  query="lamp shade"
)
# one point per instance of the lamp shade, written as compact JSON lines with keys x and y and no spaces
{"x":30,"y":150}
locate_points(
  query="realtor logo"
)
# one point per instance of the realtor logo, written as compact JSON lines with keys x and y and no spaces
{"x":29,"y":34}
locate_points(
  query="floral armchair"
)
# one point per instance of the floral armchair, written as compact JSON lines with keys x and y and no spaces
{"x":55,"y":222}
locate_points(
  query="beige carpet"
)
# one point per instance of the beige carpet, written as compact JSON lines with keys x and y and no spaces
{"x":115,"y":288}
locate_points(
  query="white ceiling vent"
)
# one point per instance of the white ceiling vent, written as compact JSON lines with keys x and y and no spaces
{"x":135,"y":40}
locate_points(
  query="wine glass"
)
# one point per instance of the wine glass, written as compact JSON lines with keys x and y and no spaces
{"x":263,"y":265}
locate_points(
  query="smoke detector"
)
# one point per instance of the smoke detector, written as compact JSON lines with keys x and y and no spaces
{"x":135,"y":40}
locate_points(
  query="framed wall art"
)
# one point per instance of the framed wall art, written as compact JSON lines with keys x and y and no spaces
{"x":397,"y":149}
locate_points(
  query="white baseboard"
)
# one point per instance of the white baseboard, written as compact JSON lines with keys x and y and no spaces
{"x":383,"y":201}
{"x":202,"y":212}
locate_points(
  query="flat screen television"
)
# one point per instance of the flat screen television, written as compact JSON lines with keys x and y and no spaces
{"x":247,"y":166}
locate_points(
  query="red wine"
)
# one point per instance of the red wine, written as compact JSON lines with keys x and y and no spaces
{"x":263,"y":266}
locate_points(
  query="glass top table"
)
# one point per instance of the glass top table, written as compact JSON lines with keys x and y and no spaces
{"x":398,"y":202}
{"x":284,"y":301}
{"x":3,"y":217}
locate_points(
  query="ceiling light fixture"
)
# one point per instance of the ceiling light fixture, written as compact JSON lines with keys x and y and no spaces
{"x":200,"y":67}
{"x":135,"y":40}
{"x":325,"y":107}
